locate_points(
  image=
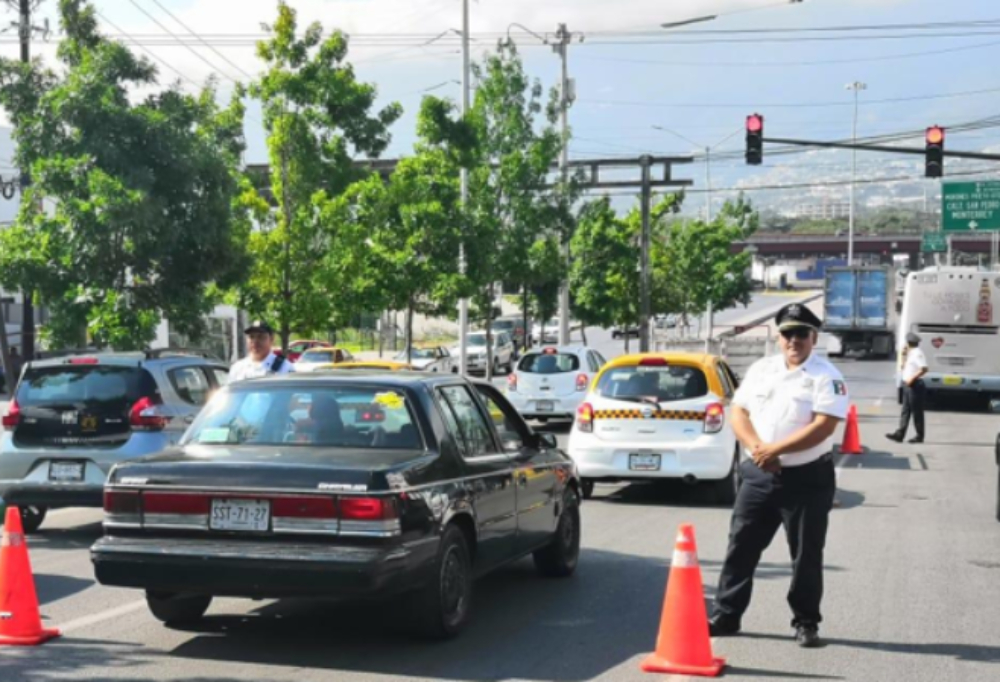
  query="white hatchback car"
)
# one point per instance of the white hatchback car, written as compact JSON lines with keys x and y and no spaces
{"x":657,"y":416}
{"x":550,"y":382}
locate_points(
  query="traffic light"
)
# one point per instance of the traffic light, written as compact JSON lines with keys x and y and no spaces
{"x":755,"y":139}
{"x":934,"y":152}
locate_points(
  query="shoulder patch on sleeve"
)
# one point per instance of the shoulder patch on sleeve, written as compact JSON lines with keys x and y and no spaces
{"x":839,"y":387}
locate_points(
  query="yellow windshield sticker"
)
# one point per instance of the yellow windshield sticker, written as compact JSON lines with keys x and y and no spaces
{"x":390,"y":401}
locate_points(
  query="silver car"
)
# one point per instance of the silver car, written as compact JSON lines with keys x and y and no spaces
{"x":72,"y":418}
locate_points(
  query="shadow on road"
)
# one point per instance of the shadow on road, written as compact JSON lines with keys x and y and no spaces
{"x":876,"y":459}
{"x":76,"y":538}
{"x":52,"y":588}
{"x":963,"y":652}
{"x":524,"y":627}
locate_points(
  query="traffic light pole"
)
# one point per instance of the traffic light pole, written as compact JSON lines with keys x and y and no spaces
{"x":880,"y":148}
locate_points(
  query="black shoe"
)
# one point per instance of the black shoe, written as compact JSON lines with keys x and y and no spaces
{"x":723,"y":626}
{"x":916,"y":439}
{"x":894,"y":436}
{"x":807,"y":636}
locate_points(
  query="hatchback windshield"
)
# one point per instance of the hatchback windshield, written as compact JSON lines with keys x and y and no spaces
{"x":652,"y":383}
{"x":548,"y":363}
{"x":476,"y":339}
{"x":417,"y":354}
{"x":363,"y":417}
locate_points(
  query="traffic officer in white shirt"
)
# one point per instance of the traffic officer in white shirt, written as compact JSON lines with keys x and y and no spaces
{"x":261,"y":360}
{"x":784,"y":413}
{"x":914,"y":391}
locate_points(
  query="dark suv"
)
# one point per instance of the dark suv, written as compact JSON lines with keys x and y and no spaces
{"x":72,"y":418}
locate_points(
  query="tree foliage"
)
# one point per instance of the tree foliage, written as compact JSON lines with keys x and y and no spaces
{"x":317,"y":116}
{"x":138,"y":216}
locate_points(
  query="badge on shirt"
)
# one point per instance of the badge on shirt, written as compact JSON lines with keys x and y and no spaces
{"x":839,"y":388}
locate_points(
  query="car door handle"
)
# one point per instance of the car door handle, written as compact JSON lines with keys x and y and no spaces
{"x":189,"y":419}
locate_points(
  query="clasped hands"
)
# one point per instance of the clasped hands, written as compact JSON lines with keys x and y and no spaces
{"x":765,"y":456}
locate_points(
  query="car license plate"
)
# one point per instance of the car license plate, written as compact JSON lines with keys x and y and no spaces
{"x":240,"y":515}
{"x":953,"y":381}
{"x":545,"y":406}
{"x":66,"y":472}
{"x":637,"y":462}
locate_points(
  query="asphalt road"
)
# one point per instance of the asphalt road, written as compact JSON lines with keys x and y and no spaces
{"x":913,"y":583}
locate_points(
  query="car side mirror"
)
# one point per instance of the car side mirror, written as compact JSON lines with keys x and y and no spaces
{"x":511,"y":442}
{"x":548,"y":440}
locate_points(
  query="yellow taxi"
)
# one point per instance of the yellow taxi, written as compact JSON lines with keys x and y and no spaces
{"x":378,"y":365}
{"x":658,"y":416}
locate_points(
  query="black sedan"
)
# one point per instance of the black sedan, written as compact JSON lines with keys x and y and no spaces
{"x":403,"y":485}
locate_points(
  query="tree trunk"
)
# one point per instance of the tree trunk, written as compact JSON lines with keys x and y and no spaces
{"x":524,"y":313}
{"x":489,"y":333}
{"x":409,"y":331}
{"x":626,"y":340}
{"x":583,"y":332}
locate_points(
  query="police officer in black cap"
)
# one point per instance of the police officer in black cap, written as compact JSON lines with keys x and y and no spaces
{"x":261,"y":360}
{"x":784,"y":413}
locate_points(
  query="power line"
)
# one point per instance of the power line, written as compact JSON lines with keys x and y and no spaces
{"x":190,"y":49}
{"x":188,"y":29}
{"x":181,"y":75}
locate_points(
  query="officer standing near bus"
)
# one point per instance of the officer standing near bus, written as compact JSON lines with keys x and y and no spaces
{"x":914,"y":367}
{"x":261,"y":360}
{"x":784,"y":413}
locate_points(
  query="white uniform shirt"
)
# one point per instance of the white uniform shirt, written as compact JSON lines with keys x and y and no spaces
{"x":915,"y":363}
{"x":782,"y":401}
{"x":248,"y":368}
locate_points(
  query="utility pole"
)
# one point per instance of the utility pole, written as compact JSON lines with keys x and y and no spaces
{"x":463,"y":304}
{"x":563,"y":36}
{"x":27,"y":295}
{"x":644,"y":269}
{"x":856,"y":87}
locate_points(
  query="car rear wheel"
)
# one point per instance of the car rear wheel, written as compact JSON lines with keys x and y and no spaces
{"x":32,"y":517}
{"x":587,"y":488}
{"x":727,"y":488}
{"x":559,"y":558}
{"x":171,"y":608}
{"x":441,"y":609}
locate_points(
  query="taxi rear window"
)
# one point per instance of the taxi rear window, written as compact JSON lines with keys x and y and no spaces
{"x":548,"y":363}
{"x":664,"y":383}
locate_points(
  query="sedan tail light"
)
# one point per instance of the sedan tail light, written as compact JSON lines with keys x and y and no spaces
{"x":715,"y":417}
{"x":146,"y":415}
{"x":121,"y":508}
{"x":369,"y":516}
{"x":512,"y":383}
{"x":585,"y":418}
{"x":12,"y":417}
{"x":581,"y":382}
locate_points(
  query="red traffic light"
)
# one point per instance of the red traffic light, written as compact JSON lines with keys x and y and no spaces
{"x":755,"y":123}
{"x":935,"y":135}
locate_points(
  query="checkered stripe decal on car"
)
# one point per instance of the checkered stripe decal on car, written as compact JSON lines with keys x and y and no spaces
{"x":682,"y":415}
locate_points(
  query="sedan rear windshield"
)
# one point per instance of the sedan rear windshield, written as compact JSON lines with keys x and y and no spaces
{"x":548,"y":363}
{"x":360,"y":417}
{"x":638,"y":383}
{"x":92,"y":386}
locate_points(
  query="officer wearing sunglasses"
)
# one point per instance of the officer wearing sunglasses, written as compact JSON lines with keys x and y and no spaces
{"x":784,"y":413}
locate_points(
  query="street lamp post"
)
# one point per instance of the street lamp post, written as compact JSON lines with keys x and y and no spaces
{"x":855,"y":87}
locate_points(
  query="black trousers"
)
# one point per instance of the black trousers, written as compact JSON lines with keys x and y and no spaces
{"x":800,"y":499}
{"x":913,"y":404}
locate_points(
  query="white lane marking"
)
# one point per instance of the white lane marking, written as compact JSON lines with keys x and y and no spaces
{"x":101,"y":616}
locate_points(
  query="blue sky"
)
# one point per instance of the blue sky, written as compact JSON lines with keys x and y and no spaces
{"x":702,"y":90}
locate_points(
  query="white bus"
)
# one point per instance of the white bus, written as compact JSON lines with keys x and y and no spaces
{"x":954,"y":310}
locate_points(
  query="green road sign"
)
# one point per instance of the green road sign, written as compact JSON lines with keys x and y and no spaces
{"x":934,"y":242}
{"x":970,"y":206}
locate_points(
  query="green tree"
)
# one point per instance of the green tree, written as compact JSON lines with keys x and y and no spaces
{"x":139,"y":194}
{"x":317,"y":116}
{"x":695,"y":265}
{"x":414,"y":227}
{"x":512,"y":205}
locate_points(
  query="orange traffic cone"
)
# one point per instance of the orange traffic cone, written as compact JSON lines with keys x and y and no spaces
{"x":20,"y":623}
{"x":683,"y":645}
{"x":852,"y":437}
